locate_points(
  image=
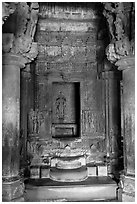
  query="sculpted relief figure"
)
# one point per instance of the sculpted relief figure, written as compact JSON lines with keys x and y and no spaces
{"x":60,"y":106}
{"x":35,"y":119}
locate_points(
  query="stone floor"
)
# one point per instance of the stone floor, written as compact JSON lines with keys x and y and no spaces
{"x":127,"y":198}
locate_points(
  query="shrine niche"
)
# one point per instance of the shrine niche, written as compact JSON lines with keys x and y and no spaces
{"x":71,"y":142}
{"x":65,"y":125}
{"x":65,"y":109}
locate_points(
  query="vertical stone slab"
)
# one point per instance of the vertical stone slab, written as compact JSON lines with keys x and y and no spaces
{"x":26,"y":103}
{"x":12,"y":187}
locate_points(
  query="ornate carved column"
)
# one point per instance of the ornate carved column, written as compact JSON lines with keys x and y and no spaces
{"x":112,"y":111}
{"x":18,"y":50}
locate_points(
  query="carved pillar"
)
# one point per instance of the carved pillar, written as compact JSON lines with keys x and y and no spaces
{"x":127,"y":65}
{"x":112,"y":109}
{"x":12,"y":185}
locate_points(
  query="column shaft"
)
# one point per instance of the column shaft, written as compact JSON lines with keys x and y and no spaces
{"x":113,"y":124}
{"x":12,"y":187}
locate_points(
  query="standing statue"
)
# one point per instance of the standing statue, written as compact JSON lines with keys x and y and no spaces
{"x":35,"y":119}
{"x":60,"y":106}
{"x":35,"y":123}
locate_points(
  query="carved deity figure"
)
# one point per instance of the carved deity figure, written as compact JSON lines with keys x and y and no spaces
{"x":35,"y":123}
{"x":35,"y":119}
{"x":60,"y":106}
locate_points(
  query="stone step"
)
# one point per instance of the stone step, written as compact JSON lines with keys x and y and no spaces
{"x":68,"y":175}
{"x":92,"y":189}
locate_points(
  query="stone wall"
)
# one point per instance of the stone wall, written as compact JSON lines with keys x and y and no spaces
{"x":68,"y":48}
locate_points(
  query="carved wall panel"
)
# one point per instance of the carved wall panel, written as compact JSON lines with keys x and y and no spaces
{"x":93,"y":124}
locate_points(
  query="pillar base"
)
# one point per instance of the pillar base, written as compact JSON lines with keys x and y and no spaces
{"x":13,"y":191}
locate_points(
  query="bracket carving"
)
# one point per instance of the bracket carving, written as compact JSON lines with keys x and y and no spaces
{"x":23,"y":40}
{"x":117,"y":15}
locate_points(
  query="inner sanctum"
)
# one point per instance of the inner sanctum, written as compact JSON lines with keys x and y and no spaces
{"x":68,"y":101}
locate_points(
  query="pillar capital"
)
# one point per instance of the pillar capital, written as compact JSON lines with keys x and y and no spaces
{"x":126,"y":63}
{"x":13,"y":59}
{"x":110,"y":71}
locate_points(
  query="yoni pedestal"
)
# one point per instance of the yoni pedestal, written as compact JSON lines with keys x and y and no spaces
{"x":12,"y":186}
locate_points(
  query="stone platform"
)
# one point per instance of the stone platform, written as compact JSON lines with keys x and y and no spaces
{"x":92,"y":189}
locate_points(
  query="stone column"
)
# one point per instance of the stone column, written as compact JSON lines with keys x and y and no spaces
{"x":127,"y":65}
{"x":12,"y":185}
{"x":112,"y":108}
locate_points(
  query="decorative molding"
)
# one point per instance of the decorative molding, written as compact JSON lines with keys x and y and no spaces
{"x":68,"y":11}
